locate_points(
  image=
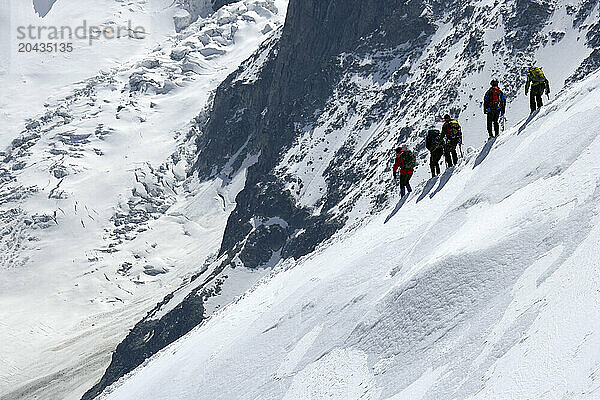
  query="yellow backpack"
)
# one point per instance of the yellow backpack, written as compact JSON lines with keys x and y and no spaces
{"x":454,"y":132}
{"x":536,"y":75}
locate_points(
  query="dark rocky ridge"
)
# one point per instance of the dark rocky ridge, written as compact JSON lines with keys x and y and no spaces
{"x":298,"y":79}
{"x":148,"y":337}
{"x":220,"y":3}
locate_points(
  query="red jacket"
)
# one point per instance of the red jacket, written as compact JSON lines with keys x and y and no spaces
{"x":400,"y":164}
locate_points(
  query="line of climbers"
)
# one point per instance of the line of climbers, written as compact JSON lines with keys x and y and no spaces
{"x":444,"y":142}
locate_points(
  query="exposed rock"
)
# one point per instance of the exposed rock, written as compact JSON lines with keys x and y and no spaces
{"x":59,"y":172}
{"x":149,"y":336}
{"x":150,"y":63}
{"x":220,"y":3}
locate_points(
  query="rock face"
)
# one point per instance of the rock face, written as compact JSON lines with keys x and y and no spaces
{"x":299,"y":110}
{"x":298,"y":78}
{"x":182,"y":20}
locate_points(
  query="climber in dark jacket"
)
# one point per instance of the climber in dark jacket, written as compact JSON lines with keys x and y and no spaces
{"x":406,"y":171}
{"x":494,"y":105}
{"x":435,"y":144}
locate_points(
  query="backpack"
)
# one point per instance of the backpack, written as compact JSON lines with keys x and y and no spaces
{"x":536,"y":75}
{"x":454,"y":132}
{"x":494,"y":99}
{"x":435,"y":139}
{"x":409,"y":159}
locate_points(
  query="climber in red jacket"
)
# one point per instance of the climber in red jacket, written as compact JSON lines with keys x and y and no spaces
{"x":405,"y":160}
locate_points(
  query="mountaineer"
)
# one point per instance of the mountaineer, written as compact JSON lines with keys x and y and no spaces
{"x":539,"y":84}
{"x":453,"y":134}
{"x":406,"y":162}
{"x":494,"y":106}
{"x":435,"y":144}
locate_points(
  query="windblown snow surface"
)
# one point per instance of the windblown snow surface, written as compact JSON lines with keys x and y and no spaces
{"x":484,"y":284}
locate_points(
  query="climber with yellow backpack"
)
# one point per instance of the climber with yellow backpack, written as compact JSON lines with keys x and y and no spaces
{"x":539,"y":84}
{"x":453,"y":133}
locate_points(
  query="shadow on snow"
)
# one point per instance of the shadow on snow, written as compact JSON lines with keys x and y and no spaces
{"x":527,"y":121}
{"x":428,"y":186}
{"x":444,"y":178}
{"x":484,"y":152}
{"x":398,"y":207}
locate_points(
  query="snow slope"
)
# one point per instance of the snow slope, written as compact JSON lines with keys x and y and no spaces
{"x":98,"y":219}
{"x":484,"y":284}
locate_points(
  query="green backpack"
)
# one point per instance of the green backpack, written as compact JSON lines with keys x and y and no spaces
{"x":536,"y":75}
{"x":409,"y":158}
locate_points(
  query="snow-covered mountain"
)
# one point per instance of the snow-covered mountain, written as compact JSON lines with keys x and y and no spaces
{"x":482,"y":285}
{"x":239,"y":154}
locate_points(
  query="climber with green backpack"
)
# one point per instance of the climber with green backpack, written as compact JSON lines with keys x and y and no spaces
{"x":539,"y":84}
{"x":406,"y":162}
{"x":453,"y":133}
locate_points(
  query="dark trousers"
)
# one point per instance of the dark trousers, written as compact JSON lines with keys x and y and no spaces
{"x":492,"y":122}
{"x":450,"y":155}
{"x":405,"y":183}
{"x":434,"y":160}
{"x":535,"y":97}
